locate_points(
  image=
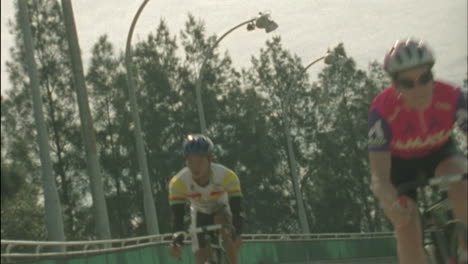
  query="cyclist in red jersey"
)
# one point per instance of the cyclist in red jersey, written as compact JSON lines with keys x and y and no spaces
{"x":410,"y":132}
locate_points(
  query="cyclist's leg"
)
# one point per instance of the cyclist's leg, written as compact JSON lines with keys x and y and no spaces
{"x":457,"y":193}
{"x":456,"y":164}
{"x":224,"y":216}
{"x":198,"y":241}
{"x":201,"y":255}
{"x":448,"y":160}
{"x":409,"y":241}
{"x":409,"y":238}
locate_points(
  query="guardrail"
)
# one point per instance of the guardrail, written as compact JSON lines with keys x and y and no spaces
{"x":319,"y":236}
{"x":113,"y":245}
{"x":79,"y":247}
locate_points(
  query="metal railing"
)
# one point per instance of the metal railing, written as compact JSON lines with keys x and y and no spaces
{"x":318,"y":236}
{"x":113,"y":245}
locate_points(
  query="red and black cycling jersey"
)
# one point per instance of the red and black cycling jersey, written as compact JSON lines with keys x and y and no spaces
{"x":409,"y":133}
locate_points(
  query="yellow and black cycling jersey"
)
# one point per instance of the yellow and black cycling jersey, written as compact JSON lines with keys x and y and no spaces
{"x":224,"y":183}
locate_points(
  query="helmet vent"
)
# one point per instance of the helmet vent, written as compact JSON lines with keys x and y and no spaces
{"x":420,"y":52}
{"x":398,"y":58}
{"x":408,"y":52}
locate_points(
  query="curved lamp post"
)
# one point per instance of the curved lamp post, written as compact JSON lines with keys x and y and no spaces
{"x":148,"y":201}
{"x":87,"y":130}
{"x":52,"y":206}
{"x":263,"y":21}
{"x":328,"y":58}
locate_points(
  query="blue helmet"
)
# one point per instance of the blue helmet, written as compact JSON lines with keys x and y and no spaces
{"x":198,"y":144}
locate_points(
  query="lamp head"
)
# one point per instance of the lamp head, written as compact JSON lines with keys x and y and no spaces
{"x":329,"y":58}
{"x":250,"y":26}
{"x":332,"y":57}
{"x":264,"y":21}
{"x":271,"y":26}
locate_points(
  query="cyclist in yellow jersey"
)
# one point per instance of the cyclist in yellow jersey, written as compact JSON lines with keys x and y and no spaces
{"x":214,"y":194}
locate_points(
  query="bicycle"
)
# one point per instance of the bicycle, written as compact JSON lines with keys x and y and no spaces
{"x":213,"y":240}
{"x":441,"y":232}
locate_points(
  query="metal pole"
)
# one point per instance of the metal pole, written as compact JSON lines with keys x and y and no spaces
{"x":148,"y":201}
{"x":53,"y":209}
{"x":201,"y":113}
{"x":297,"y":189}
{"x":310,"y":64}
{"x":94,"y":170}
{"x":292,"y":158}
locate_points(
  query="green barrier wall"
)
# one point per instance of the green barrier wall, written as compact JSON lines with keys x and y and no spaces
{"x":297,"y":251}
{"x":251,"y":253}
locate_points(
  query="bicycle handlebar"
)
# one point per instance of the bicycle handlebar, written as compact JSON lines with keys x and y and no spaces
{"x":200,"y":229}
{"x":435,"y":181}
{"x":203,"y":229}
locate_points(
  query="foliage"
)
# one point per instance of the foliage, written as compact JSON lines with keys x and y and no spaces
{"x":245,"y":111}
{"x":21,"y":211}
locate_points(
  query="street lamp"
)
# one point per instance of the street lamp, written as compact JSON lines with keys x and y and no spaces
{"x":151,"y":218}
{"x":262,"y":21}
{"x":52,"y":206}
{"x":328,"y":58}
{"x":87,"y":130}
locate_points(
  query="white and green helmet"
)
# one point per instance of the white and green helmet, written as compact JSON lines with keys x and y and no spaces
{"x":407,"y":54}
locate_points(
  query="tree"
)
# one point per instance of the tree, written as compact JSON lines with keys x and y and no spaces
{"x":268,"y":83}
{"x":106,"y":84}
{"x":60,"y":111}
{"x":22,"y":213}
{"x":244,"y":110}
{"x":13,"y":179}
{"x":158,"y":96}
{"x":340,"y":178}
{"x":21,"y":216}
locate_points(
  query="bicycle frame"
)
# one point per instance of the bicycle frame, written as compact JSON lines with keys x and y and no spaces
{"x":440,"y":234}
{"x":215,"y":250}
{"x":437,"y":221}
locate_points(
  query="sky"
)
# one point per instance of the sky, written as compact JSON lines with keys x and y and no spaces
{"x":368,"y":28}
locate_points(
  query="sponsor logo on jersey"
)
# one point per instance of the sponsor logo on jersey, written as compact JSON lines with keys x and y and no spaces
{"x":418,"y":143}
{"x":376,"y":134}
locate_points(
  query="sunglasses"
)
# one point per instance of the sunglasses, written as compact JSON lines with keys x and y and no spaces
{"x":423,"y":79}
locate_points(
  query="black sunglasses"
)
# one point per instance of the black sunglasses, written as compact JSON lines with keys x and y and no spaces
{"x":423,"y":79}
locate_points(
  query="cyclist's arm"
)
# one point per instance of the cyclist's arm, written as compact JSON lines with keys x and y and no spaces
{"x":232,"y":186}
{"x":235,"y":203}
{"x":380,"y":158}
{"x":461,"y":114}
{"x":178,"y":213}
{"x":178,"y":237}
{"x":382,"y":187}
{"x":177,"y":198}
